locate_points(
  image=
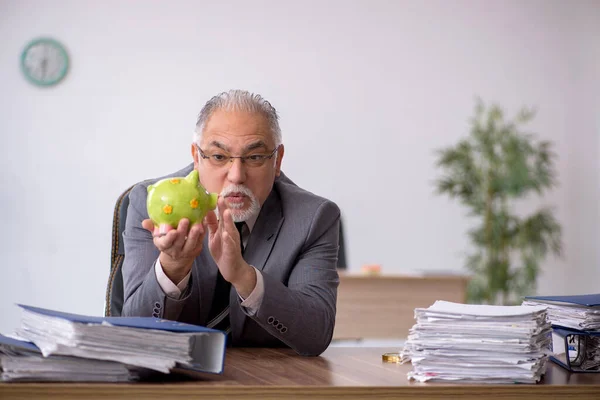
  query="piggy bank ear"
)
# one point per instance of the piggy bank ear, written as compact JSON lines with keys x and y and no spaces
{"x":192,"y":177}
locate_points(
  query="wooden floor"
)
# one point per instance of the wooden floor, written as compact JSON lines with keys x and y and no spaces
{"x":340,"y":373}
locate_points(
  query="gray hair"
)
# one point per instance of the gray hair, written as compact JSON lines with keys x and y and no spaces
{"x":239,"y":100}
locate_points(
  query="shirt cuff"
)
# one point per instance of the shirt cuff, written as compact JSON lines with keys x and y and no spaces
{"x":252,"y":303}
{"x":170,"y":289}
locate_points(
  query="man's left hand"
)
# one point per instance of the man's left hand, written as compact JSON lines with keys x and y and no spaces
{"x":224,"y":243}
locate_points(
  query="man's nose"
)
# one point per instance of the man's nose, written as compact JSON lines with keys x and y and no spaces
{"x":237,"y":171}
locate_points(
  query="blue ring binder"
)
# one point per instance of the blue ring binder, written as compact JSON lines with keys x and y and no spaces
{"x":576,"y":350}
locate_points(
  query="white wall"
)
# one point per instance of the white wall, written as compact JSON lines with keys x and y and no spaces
{"x":583,"y":130}
{"x":366,"y":91}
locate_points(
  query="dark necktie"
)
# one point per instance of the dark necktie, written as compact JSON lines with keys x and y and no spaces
{"x":219,"y":313}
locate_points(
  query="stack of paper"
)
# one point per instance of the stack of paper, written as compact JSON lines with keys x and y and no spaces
{"x":23,"y":361}
{"x":478,"y":343}
{"x":592,"y":354}
{"x":577,"y":312}
{"x":151,"y":343}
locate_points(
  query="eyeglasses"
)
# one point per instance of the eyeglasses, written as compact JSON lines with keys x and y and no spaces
{"x":251,"y":160}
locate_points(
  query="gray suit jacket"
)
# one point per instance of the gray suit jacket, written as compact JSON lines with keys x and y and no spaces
{"x":294,"y":243}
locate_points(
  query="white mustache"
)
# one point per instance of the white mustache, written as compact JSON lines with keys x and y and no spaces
{"x":237,"y":213}
{"x":236,"y":189}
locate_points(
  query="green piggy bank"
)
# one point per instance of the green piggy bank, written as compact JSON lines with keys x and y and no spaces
{"x":171,"y":199}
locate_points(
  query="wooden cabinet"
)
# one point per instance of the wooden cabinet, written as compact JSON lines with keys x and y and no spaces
{"x":382,"y":306}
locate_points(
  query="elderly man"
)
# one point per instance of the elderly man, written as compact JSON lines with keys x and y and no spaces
{"x":263,"y":267}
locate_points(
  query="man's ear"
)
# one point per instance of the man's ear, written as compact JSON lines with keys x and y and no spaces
{"x":195,"y":155}
{"x":279,"y":159}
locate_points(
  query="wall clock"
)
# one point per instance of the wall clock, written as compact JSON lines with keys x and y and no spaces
{"x":44,"y":62}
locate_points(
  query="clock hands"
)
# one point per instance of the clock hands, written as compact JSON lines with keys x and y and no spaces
{"x":45,"y":62}
{"x":44,"y":67}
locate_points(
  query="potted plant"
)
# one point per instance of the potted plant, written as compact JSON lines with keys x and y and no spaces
{"x":488,"y":172}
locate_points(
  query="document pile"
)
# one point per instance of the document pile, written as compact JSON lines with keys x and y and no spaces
{"x":577,"y":312}
{"x":478,"y":343}
{"x":125,"y":346}
{"x":23,"y":361}
{"x":576,"y":330}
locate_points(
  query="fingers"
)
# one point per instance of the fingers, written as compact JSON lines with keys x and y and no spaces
{"x":230,"y":236}
{"x":164,"y":242}
{"x":212,"y":223}
{"x":231,"y":256}
{"x":230,"y":244}
{"x":162,"y":230}
{"x":195,"y":239}
{"x":148,"y":225}
{"x":228,"y":224}
{"x":183,"y":242}
{"x":166,"y":237}
{"x":222,"y":205}
{"x":156,"y":231}
{"x":182,"y":233}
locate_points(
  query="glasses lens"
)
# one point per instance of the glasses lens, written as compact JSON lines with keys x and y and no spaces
{"x":255,"y":160}
{"x":218,"y":160}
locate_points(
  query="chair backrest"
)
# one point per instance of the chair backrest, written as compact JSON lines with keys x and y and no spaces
{"x":342,"y":263}
{"x":114,"y":290}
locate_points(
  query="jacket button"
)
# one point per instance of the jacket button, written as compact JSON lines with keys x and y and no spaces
{"x":276,"y":322}
{"x":157,"y":305}
{"x":270,"y":320}
{"x":283,"y":330}
{"x":279,"y":326}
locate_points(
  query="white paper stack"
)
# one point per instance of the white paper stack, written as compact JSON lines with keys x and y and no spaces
{"x":574,"y":315}
{"x":22,"y":361}
{"x":478,"y":343}
{"x":63,"y":369}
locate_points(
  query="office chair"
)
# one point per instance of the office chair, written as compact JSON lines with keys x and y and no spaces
{"x":114,"y":290}
{"x":342,"y":249}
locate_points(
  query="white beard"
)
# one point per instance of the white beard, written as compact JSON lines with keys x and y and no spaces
{"x":238,"y":213}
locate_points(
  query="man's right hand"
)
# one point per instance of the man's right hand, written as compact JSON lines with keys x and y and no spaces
{"x":178,"y":247}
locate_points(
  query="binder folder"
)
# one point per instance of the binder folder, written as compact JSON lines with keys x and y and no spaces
{"x":206,"y":346}
{"x":581,"y":312}
{"x":17,"y":346}
{"x":576,"y":350}
{"x":586,"y":300}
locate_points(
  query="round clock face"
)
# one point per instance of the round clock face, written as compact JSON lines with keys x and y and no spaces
{"x":44,"y":62}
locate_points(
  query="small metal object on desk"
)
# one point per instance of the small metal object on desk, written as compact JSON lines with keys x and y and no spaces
{"x":391,"y":357}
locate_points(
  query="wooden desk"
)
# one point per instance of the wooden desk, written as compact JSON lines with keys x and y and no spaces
{"x":340,"y":373}
{"x":382,"y":307}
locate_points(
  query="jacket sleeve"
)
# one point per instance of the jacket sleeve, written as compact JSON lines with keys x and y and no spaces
{"x":143,"y":296}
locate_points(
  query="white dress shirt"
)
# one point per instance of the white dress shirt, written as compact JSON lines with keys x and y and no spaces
{"x":251,"y":303}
